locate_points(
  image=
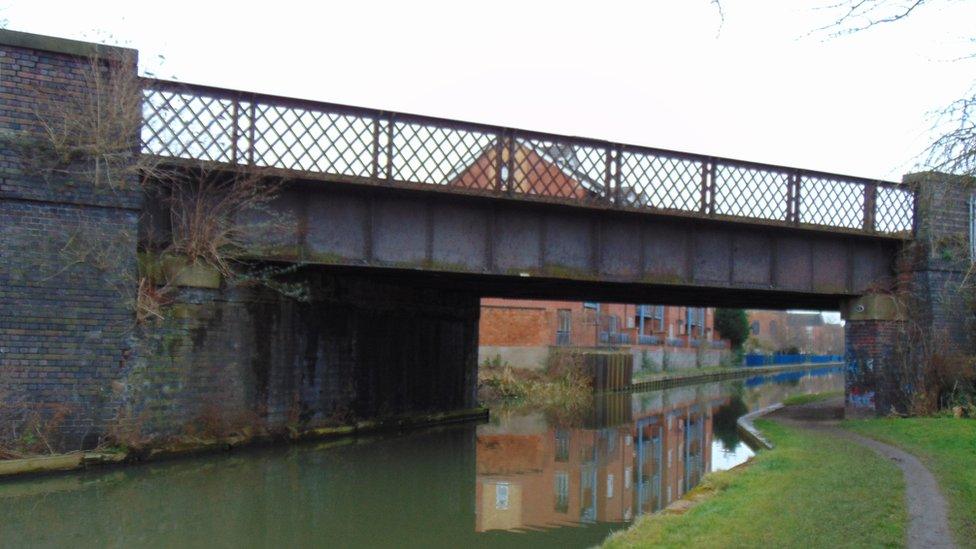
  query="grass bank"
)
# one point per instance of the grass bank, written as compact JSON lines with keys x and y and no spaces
{"x":812,"y":490}
{"x":947,"y":446}
{"x":809,"y":398}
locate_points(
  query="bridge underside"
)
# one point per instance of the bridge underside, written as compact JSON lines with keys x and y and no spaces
{"x":493,"y":246}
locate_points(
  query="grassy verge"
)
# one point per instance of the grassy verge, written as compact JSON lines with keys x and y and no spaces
{"x":948,"y":448}
{"x":797,"y":400}
{"x":813,"y":490}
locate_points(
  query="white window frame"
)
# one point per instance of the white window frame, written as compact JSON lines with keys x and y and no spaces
{"x":501,"y":496}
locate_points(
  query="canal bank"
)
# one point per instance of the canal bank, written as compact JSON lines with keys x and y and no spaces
{"x":193,"y":446}
{"x":813,"y":484}
{"x":525,"y":478}
{"x":674,"y":379}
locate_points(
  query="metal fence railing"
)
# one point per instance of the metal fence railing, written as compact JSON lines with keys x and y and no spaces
{"x":774,"y":359}
{"x":366,"y":145}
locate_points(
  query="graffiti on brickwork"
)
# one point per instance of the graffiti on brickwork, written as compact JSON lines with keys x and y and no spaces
{"x":860,"y":383}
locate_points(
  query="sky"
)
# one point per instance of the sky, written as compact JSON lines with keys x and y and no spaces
{"x":665,"y":73}
{"x":758,"y":85}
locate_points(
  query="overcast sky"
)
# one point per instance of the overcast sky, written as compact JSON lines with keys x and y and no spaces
{"x":659,"y":73}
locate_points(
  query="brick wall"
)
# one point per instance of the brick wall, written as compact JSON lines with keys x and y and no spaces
{"x":231,"y":359}
{"x":886,"y":358}
{"x":65,"y":317}
{"x":870,"y":349}
{"x":524,"y":325}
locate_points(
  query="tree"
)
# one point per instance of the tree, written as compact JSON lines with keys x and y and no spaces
{"x":733,"y":324}
{"x":953,"y":147}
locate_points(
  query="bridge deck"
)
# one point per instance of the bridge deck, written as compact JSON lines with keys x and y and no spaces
{"x":314,"y":140}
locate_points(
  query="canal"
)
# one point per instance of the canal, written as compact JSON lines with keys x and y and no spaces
{"x":524,"y":479}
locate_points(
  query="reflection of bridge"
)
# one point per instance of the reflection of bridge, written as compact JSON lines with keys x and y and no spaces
{"x":400,"y":223}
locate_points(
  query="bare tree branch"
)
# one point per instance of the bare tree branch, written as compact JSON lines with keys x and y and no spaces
{"x":954,"y":151}
{"x":859,"y":15}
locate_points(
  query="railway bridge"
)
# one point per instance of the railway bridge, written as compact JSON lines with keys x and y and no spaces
{"x":397,"y":224}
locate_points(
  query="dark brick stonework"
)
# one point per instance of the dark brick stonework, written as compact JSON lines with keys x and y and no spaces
{"x":361,"y":349}
{"x":935,"y":314}
{"x":65,"y":319}
{"x":870,"y":347}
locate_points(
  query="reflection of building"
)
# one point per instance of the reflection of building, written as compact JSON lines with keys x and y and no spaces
{"x":562,"y":476}
{"x":565,"y":476}
{"x":521,"y":332}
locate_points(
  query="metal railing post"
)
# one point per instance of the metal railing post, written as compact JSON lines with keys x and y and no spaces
{"x":616,"y":175}
{"x":703,"y":200}
{"x":389,"y":148}
{"x":712,"y":181}
{"x":793,"y":196}
{"x":500,"y":162}
{"x":375,"y":171}
{"x":510,"y":162}
{"x":252,"y":118}
{"x":234,"y":131}
{"x":870,"y":199}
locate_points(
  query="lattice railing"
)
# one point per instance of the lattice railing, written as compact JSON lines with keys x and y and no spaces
{"x":364,"y":145}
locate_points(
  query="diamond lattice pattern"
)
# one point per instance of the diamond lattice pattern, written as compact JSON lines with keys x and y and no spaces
{"x":187,"y":125}
{"x":312,"y":141}
{"x":653,"y":181}
{"x":750,"y":192}
{"x":559,"y":168}
{"x":895,"y":210}
{"x":831,"y":202}
{"x":431,"y":154}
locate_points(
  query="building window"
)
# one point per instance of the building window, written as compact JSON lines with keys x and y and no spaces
{"x":591,"y":305}
{"x":562,"y":445}
{"x":755,"y":327}
{"x":501,"y":496}
{"x":562,"y":491}
{"x":564,"y":331}
{"x":772,"y":328}
{"x":609,"y":486}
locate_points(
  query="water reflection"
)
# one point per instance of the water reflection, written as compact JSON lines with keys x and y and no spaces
{"x":633,"y":454}
{"x":521,"y":480}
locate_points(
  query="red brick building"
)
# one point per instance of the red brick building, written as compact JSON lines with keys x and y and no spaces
{"x":522,"y":332}
{"x":590,"y":324}
{"x":771,"y":331}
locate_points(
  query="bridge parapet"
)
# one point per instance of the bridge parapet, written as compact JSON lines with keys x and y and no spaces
{"x":315,"y":140}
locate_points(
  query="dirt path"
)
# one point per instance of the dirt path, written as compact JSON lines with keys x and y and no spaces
{"x":928,"y":524}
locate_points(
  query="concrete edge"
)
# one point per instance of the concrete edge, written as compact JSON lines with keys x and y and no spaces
{"x":66,"y":46}
{"x":748,"y":430}
{"x":731,"y":373}
{"x":78,"y":461}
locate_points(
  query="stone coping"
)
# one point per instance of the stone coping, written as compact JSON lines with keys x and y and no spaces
{"x":748,"y":430}
{"x":65,"y":46}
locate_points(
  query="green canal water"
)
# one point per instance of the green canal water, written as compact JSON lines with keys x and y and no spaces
{"x":520,"y":480}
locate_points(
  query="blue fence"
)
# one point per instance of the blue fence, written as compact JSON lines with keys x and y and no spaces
{"x":775,"y":360}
